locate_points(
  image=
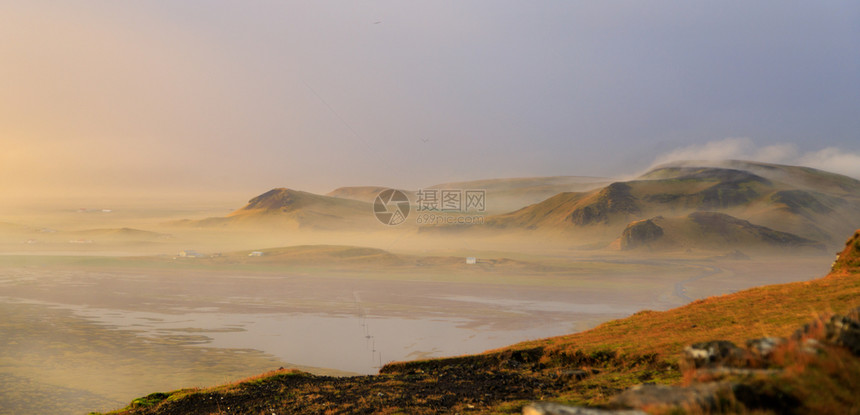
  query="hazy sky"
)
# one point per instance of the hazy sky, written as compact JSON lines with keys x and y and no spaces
{"x":249,"y":95}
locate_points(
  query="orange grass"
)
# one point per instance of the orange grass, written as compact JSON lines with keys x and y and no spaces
{"x":775,"y":310}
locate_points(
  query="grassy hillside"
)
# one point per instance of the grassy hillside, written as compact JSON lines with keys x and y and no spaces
{"x":809,"y":203}
{"x":591,"y":367}
{"x":774,"y":310}
{"x":798,"y":176}
{"x":505,"y":195}
{"x":364,"y":193}
{"x":502,"y":195}
{"x":293,"y":209}
{"x":710,"y":230}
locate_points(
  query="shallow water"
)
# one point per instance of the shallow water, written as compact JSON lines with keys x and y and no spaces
{"x":353,"y":343}
{"x":95,"y":338}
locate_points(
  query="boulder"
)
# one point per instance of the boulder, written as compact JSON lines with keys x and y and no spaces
{"x":698,"y":396}
{"x":844,"y":331}
{"x":715,"y":353}
{"x":764,"y":347}
{"x":640,"y":233}
{"x":550,"y":408}
{"x":839,"y":330}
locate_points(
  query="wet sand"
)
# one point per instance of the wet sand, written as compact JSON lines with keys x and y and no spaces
{"x":94,"y":335}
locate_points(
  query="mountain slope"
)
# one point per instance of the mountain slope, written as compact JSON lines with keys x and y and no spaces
{"x":502,"y":195}
{"x":806,"y":202}
{"x":797,"y":176}
{"x":287,"y":208}
{"x":711,"y":231}
{"x":363,"y":193}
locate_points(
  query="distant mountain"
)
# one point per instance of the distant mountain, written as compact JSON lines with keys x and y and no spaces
{"x":612,"y":203}
{"x":809,"y":203}
{"x":797,"y":176}
{"x":364,"y":193}
{"x":287,"y":208}
{"x":503,"y":195}
{"x":710,"y":231}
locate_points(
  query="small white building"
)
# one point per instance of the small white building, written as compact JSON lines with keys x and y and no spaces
{"x":470,"y":260}
{"x":256,"y":253}
{"x":190,"y":253}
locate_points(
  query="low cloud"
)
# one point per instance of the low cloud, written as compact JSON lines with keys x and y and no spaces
{"x":830,"y":159}
{"x":833,"y":159}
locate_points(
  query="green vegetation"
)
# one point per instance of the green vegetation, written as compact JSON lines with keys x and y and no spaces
{"x":149,"y":400}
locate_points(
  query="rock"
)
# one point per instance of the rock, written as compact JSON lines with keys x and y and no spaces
{"x":640,"y":233}
{"x":810,"y":346}
{"x":764,"y":347}
{"x":844,"y":331}
{"x":854,"y":314}
{"x":705,"y":396}
{"x":763,"y":396}
{"x":839,"y":330}
{"x":550,"y":408}
{"x":613,"y":199}
{"x":715,"y":353}
{"x":721,"y":372}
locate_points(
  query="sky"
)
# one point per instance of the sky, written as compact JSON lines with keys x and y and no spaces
{"x":243,"y":96}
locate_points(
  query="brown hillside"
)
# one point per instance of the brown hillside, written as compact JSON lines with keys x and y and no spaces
{"x":808,"y":203}
{"x":364,"y":193}
{"x":709,"y":231}
{"x":287,"y":208}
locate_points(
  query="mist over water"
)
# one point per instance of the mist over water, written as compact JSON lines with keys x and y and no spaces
{"x":109,"y":329}
{"x":189,"y":195}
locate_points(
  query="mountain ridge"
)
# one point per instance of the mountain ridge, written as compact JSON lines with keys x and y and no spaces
{"x":797,"y":200}
{"x":709,"y":230}
{"x":287,"y":208}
